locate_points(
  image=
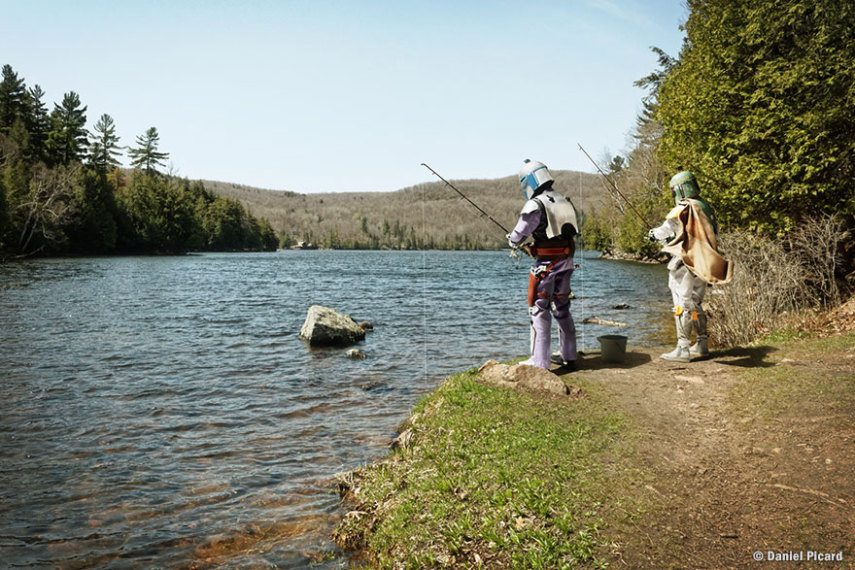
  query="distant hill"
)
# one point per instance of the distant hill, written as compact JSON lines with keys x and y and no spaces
{"x":429,"y":214}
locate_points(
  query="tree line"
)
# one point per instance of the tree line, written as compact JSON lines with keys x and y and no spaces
{"x":63,"y":189}
{"x":759,"y":104}
{"x":424,"y":216}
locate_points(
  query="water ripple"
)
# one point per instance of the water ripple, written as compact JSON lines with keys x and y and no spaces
{"x":163,"y":411}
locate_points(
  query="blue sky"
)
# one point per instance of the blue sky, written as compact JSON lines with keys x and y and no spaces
{"x":323,"y":95}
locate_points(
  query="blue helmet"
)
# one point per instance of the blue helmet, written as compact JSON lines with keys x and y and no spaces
{"x":533,"y":175}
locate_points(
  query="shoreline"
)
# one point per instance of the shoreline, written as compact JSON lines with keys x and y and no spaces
{"x":659,"y":464}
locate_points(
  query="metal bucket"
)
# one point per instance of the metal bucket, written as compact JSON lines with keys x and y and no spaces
{"x":612,"y":347}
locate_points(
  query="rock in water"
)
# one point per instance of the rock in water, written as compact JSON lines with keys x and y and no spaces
{"x":355,"y":353}
{"x":326,"y":327}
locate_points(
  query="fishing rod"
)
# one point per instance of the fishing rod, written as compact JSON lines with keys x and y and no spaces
{"x":628,"y":203}
{"x":462,"y":195}
{"x":525,"y":247}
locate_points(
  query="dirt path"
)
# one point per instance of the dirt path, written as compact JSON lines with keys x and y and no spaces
{"x":738,"y":465}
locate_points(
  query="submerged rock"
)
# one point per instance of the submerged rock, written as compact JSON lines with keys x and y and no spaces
{"x":327,"y":327}
{"x":524,"y":377}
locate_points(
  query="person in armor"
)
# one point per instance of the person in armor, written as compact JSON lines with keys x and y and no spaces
{"x":689,"y":234}
{"x":550,"y":219}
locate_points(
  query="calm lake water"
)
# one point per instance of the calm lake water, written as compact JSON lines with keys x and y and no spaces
{"x":162,"y":411}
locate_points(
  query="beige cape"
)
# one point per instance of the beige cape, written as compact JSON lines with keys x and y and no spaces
{"x":696,"y":245}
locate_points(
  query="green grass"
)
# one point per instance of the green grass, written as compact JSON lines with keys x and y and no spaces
{"x":821,"y":385}
{"x":494,"y":477}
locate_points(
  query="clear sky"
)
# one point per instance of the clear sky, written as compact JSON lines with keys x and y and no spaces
{"x":326,"y":95}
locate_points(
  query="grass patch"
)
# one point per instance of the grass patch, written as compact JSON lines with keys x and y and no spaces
{"x":492,"y":477}
{"x":815,"y":377}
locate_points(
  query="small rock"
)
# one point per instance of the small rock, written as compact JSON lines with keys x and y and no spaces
{"x":689,"y":379}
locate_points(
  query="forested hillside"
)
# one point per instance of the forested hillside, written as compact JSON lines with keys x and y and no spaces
{"x":63,"y":190}
{"x":429,"y":215}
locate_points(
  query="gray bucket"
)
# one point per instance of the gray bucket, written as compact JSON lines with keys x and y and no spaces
{"x":613,"y":347}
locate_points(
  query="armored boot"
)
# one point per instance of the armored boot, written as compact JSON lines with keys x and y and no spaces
{"x":541,"y":322}
{"x":700,"y":348}
{"x":684,"y":329}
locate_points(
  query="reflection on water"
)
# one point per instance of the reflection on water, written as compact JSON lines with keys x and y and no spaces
{"x":163,"y":412}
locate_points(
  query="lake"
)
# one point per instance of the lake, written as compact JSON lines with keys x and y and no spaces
{"x":162,"y":411}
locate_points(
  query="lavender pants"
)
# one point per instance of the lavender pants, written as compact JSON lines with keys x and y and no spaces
{"x":546,"y":306}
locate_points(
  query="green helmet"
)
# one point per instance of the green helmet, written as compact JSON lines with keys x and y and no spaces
{"x":683,"y":185}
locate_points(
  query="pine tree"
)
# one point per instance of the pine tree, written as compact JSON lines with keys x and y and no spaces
{"x":146,"y":155}
{"x":105,"y":148}
{"x":38,"y":123}
{"x":67,"y":141}
{"x":13,"y":94}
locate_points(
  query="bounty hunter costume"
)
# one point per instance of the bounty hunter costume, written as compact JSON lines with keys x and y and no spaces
{"x":550,"y":219}
{"x":689,"y":233}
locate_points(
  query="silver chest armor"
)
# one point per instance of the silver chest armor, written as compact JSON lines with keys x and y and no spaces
{"x":558,"y":209}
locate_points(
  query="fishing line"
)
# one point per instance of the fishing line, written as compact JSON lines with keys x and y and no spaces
{"x":424,"y":278}
{"x":581,"y":256}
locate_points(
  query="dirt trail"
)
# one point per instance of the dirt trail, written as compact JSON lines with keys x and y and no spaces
{"x":730,"y":479}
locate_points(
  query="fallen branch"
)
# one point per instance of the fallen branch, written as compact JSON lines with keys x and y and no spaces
{"x":599,"y":321}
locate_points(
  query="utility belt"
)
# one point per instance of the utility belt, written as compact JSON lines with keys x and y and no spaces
{"x":535,"y":276}
{"x":553,"y":250}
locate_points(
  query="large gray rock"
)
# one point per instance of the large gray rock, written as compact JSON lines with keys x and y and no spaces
{"x":326,"y":327}
{"x":525,"y":378}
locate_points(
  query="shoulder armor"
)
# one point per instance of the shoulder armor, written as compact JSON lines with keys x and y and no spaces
{"x":675,"y":211}
{"x":531,"y":206}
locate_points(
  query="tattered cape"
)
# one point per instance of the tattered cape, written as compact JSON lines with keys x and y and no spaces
{"x":696,"y":245}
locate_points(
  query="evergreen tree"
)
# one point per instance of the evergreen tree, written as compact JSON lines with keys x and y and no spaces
{"x":38,"y":123}
{"x":761,"y":108}
{"x":93,"y":227}
{"x":13,"y":104}
{"x":4,"y":218}
{"x":67,"y":140}
{"x":146,"y":155}
{"x":105,"y":147}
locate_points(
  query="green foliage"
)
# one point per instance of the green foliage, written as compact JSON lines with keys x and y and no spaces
{"x":93,"y":227}
{"x":67,"y":140}
{"x":38,"y":125}
{"x":51,"y":203}
{"x":4,"y":218}
{"x":598,"y":232}
{"x":146,"y":155}
{"x":105,"y":146}
{"x":12,"y":99}
{"x":761,"y":108}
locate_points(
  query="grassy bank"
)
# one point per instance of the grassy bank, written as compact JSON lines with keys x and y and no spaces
{"x":659,"y":465}
{"x":493,"y":477}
